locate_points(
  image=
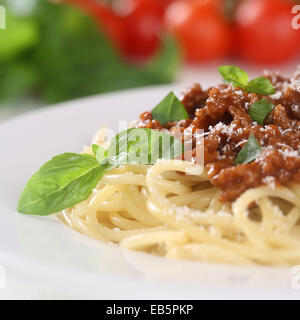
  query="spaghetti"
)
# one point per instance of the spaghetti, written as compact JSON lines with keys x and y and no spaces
{"x":240,"y":205}
{"x":158,"y":210}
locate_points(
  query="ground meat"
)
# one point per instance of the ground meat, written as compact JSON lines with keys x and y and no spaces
{"x":295,"y":109}
{"x":223,"y":113}
{"x":148,"y":122}
{"x":194,"y":98}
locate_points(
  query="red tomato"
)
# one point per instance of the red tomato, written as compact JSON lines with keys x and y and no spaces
{"x":143,"y":23}
{"x":200,"y":28}
{"x":264,"y":31}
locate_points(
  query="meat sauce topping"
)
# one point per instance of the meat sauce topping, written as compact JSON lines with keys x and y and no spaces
{"x":223,"y":113}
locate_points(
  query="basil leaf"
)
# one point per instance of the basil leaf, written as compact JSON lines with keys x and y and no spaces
{"x":260,"y":109}
{"x":95,"y":148}
{"x":64,"y":181}
{"x":69,"y":178}
{"x":169,"y":109}
{"x":100,"y":153}
{"x":157,"y":144}
{"x":235,"y":75}
{"x":249,"y":152}
{"x":142,"y":146}
{"x":260,"y":85}
{"x":239,"y":78}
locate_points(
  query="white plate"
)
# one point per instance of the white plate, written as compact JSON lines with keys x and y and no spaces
{"x":44,"y":252}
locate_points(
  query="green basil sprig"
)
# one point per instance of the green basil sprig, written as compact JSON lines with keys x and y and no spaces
{"x":142,"y":146}
{"x":61,"y":183}
{"x":70,"y":178}
{"x":260,"y":85}
{"x":239,"y":78}
{"x":100,"y":153}
{"x":169,"y":109}
{"x":249,"y":152}
{"x":260,"y":110}
{"x":234,"y":75}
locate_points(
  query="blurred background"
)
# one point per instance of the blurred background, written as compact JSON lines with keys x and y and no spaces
{"x":53,"y":51}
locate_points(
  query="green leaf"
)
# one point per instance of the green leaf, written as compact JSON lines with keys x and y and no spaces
{"x":260,"y":85}
{"x":260,"y":109}
{"x":66,"y":56}
{"x":20,"y":34}
{"x":95,"y":148}
{"x":81,"y":60}
{"x":169,"y":109}
{"x":17,"y":79}
{"x":239,"y":78}
{"x":64,"y":181}
{"x":101,"y":155}
{"x":69,"y":178}
{"x":249,"y":152}
{"x":234,"y":75}
{"x":166,"y":61}
{"x":142,"y":146}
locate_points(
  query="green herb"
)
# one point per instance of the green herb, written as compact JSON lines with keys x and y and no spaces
{"x":95,"y":148}
{"x":260,"y":110}
{"x":68,"y":179}
{"x":20,"y":34}
{"x":17,"y":78}
{"x":100,"y":153}
{"x":142,"y":146}
{"x":235,"y":75}
{"x":71,"y":58}
{"x":260,"y":85}
{"x":239,"y":78}
{"x":61,"y":183}
{"x":249,"y":152}
{"x":166,"y":61}
{"x":169,"y":109}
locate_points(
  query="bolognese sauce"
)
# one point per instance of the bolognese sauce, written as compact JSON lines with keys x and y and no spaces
{"x":223,"y":113}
